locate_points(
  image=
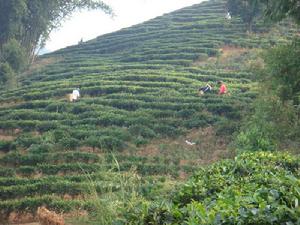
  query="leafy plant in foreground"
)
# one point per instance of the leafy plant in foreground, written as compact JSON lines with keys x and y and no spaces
{"x":254,"y":188}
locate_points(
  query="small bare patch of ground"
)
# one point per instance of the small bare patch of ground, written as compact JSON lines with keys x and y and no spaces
{"x":21,"y":218}
{"x":227,"y":54}
{"x":10,"y":104}
{"x":149,"y":150}
{"x":67,"y":197}
{"x":47,"y":217}
{"x":90,"y":149}
{"x":36,"y":133}
{"x":183,"y":175}
{"x":41,"y":63}
{"x":204,"y":62}
{"x":229,"y":51}
{"x":30,"y":219}
{"x":7,"y":138}
{"x":37,"y":175}
{"x":207,"y":148}
{"x":210,"y":147}
{"x":10,"y":132}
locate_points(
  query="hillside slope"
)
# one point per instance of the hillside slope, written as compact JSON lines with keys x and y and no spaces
{"x":137,"y":84}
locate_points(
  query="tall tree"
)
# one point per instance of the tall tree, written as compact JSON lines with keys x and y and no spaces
{"x":276,"y":119}
{"x":248,"y":10}
{"x":275,"y":10}
{"x":283,"y":71}
{"x":25,"y":26}
{"x":11,"y":14}
{"x":280,"y":9}
{"x":31,"y":21}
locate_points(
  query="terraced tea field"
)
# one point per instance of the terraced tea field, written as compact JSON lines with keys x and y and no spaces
{"x":137,"y":84}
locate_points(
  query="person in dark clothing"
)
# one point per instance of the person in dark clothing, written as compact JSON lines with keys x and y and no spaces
{"x":205,"y":89}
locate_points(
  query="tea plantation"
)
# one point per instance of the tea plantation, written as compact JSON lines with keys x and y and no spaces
{"x":137,"y":84}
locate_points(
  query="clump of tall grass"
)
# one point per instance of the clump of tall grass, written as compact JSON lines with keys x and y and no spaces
{"x":108,"y":203}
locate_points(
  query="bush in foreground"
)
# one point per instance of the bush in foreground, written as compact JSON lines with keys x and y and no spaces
{"x":254,"y":188}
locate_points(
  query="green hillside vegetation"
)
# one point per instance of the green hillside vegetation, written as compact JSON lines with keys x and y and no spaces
{"x":254,"y":188}
{"x":138,"y":85}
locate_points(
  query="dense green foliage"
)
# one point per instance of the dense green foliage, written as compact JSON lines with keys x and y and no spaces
{"x":6,"y":73}
{"x":14,"y":54}
{"x":275,"y":121}
{"x":255,"y":188}
{"x":283,"y":69}
{"x":273,"y":10}
{"x":12,"y":61}
{"x":280,"y":9}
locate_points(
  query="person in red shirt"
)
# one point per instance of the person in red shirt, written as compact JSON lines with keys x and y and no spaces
{"x":223,"y":88}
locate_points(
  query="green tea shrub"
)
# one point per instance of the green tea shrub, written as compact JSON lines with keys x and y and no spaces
{"x":139,"y":141}
{"x":69,"y":143}
{"x":226,"y":127}
{"x":58,"y":106}
{"x":26,"y":170}
{"x":41,"y":148}
{"x":7,"y":172}
{"x":26,"y":125}
{"x":143,"y":131}
{"x":186,"y":113}
{"x":46,"y":126}
{"x":254,"y":188}
{"x":200,"y":119}
{"x":255,"y":139}
{"x":93,"y":141}
{"x":271,"y":124}
{"x":166,"y":130}
{"x":60,"y":134}
{"x":111,"y":143}
{"x":6,"y":146}
{"x":25,"y":140}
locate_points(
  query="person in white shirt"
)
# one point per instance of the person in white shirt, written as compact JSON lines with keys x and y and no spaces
{"x":76,"y":94}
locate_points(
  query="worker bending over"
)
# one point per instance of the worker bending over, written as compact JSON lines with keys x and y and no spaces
{"x":223,"y":88}
{"x":74,"y":96}
{"x":205,"y":89}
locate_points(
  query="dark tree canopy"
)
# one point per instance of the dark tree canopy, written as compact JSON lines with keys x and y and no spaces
{"x":248,"y":10}
{"x":31,"y":21}
{"x":274,"y":10}
{"x":25,"y":26}
{"x":280,"y":9}
{"x":283,"y":69}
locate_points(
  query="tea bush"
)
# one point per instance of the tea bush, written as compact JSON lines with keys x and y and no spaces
{"x":254,"y":188}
